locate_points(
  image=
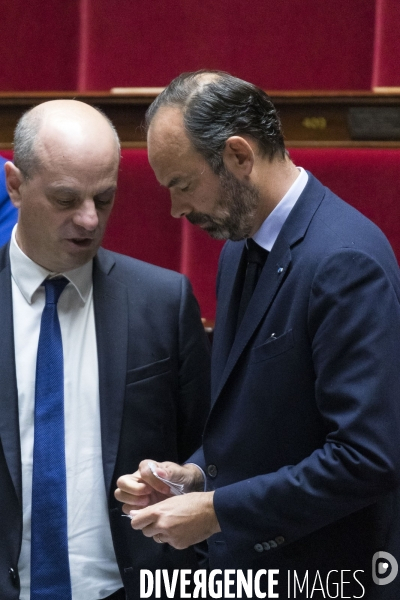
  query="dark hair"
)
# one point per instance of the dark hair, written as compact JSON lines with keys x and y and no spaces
{"x":215,"y":106}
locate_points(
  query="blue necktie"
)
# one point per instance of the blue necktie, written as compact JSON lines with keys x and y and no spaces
{"x":50,"y":577}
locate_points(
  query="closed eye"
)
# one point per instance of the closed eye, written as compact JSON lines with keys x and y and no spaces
{"x":65,"y":202}
{"x":105,"y":198}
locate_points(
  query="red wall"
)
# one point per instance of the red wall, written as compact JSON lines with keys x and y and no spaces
{"x":285,"y":44}
{"x":290,"y":44}
{"x":39,"y":45}
{"x":386,"y":64}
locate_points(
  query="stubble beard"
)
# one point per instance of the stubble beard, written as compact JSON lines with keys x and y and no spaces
{"x":234,"y":212}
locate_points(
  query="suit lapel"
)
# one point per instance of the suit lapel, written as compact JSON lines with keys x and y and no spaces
{"x":270,"y":280}
{"x":272,"y":277}
{"x":111,"y":316}
{"x":9,"y":420}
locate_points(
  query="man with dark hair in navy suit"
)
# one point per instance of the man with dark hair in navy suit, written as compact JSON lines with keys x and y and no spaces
{"x":301,"y":449}
{"x":8,"y":212}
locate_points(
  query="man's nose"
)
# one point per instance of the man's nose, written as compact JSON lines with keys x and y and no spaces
{"x":86,"y":216}
{"x":178,"y":208}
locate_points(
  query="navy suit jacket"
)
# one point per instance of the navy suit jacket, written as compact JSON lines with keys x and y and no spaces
{"x":154,"y":397}
{"x":303,"y":440}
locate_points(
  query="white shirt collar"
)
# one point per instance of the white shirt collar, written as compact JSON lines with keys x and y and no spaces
{"x":270,"y":229}
{"x":29,"y":276}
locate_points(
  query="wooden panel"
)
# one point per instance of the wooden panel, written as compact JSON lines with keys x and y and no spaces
{"x":309,"y":118}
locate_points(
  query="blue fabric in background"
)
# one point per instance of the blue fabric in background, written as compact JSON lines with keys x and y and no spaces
{"x":8,"y":213}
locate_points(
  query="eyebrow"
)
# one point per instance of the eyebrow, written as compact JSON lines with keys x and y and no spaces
{"x":75,"y":192}
{"x":61,"y":189}
{"x":112,"y":188}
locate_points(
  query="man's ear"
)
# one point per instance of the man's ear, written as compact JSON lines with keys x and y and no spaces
{"x":14,"y":179}
{"x":238,"y":156}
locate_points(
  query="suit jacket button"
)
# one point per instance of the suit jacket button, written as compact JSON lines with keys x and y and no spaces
{"x":280,"y":540}
{"x":212,"y":470}
{"x":14,"y":575}
{"x":266,"y":546}
{"x":258,"y":548}
{"x":272,"y":543}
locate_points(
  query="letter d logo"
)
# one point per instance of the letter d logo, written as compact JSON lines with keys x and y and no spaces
{"x":382,"y":567}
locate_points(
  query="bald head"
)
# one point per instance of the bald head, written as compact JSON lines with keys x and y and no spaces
{"x":63,"y":181}
{"x":61,"y":127}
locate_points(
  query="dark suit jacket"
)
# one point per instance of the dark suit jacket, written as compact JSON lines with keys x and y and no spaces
{"x":154,"y":398}
{"x":303,"y":440}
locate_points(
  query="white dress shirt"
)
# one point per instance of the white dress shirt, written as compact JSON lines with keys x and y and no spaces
{"x":93,"y":566}
{"x":271,"y":227}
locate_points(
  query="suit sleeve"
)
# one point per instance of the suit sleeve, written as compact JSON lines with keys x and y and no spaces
{"x":194,"y":374}
{"x":354,"y":332}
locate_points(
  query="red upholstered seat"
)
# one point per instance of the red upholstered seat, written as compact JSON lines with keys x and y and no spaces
{"x":366,"y":178}
{"x":140,"y":224}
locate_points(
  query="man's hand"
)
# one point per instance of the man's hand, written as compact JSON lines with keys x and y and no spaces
{"x":144,"y":489}
{"x":179,"y":521}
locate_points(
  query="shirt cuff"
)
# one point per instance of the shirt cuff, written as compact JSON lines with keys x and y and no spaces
{"x":202,"y":473}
